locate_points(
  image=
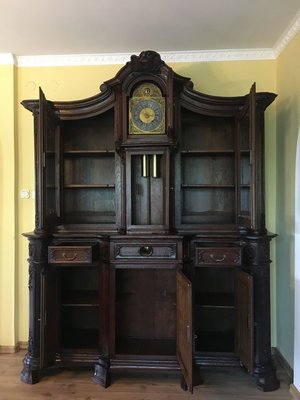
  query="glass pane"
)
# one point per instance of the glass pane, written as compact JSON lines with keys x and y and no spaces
{"x":245,"y":166}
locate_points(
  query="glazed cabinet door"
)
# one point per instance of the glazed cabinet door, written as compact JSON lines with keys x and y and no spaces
{"x":246,"y":154}
{"x":48,"y":166}
{"x":49,"y":317}
{"x":185,"y":329}
{"x":244,"y":319}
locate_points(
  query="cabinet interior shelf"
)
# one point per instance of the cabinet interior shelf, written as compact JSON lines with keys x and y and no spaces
{"x":88,"y":152}
{"x":205,"y":186}
{"x":89,"y":186}
{"x":208,"y":152}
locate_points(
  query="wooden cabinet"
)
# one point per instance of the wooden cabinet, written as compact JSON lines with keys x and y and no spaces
{"x":150,"y":250}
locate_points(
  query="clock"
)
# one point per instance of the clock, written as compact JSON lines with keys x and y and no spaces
{"x":147,"y":110}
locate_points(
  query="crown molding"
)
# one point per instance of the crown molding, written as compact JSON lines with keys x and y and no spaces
{"x":7,"y":59}
{"x":287,"y":35}
{"x":122,"y":58}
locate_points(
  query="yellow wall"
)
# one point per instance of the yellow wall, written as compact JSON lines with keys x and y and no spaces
{"x":231,"y":78}
{"x":288,"y":125}
{"x":8,"y":212}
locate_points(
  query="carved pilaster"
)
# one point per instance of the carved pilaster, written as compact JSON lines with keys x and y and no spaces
{"x":256,"y":256}
{"x":37,"y":261}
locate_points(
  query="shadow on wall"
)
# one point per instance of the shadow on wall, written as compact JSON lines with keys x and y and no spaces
{"x":297,"y":269}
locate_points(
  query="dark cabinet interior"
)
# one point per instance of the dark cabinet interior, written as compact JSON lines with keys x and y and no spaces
{"x":80,"y":304}
{"x":149,"y":297}
{"x":150,"y":250}
{"x":214,"y":309}
{"x":88,"y":170}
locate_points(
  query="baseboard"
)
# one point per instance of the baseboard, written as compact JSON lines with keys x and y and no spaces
{"x":23,"y":345}
{"x":294,"y":392}
{"x":9,"y":349}
{"x":282,"y":363}
{"x":13,"y":349}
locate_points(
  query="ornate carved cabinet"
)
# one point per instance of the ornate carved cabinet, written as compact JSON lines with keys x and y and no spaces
{"x":150,"y":249}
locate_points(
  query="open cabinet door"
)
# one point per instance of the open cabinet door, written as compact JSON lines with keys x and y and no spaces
{"x":246,"y":190}
{"x":185,"y":328}
{"x":48,"y":173}
{"x":244,"y":319}
{"x":49,"y":317}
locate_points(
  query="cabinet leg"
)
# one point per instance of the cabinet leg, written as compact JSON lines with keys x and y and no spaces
{"x":267,"y":380}
{"x":102,"y":372}
{"x":31,"y":372}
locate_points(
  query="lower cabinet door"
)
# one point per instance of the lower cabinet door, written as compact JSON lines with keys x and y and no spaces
{"x":244,"y":319}
{"x":49,"y":317}
{"x":185,"y":328}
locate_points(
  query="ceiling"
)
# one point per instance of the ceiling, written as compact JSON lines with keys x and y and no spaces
{"x":57,"y":27}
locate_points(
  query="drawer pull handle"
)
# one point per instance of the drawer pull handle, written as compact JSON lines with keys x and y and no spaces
{"x":70,"y":256}
{"x":146,"y":251}
{"x":220,"y":259}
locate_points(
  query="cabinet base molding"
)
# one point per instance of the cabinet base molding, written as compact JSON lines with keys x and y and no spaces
{"x":76,"y":358}
{"x":294,"y":392}
{"x":145,"y":365}
{"x":217,"y":360}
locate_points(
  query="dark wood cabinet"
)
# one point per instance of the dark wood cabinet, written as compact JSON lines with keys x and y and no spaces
{"x":150,"y":250}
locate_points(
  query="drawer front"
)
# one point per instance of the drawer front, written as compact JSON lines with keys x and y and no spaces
{"x":218,"y":256}
{"x":70,"y":255}
{"x":145,"y":251}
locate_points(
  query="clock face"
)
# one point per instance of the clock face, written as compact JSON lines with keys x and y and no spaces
{"x":147,"y":115}
{"x":147,"y":110}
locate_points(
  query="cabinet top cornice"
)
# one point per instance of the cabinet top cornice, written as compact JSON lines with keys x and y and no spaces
{"x":148,"y":65}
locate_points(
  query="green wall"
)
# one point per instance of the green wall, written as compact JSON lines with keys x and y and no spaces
{"x":288,"y":124}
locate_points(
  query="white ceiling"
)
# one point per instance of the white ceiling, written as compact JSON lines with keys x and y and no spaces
{"x":60,"y":27}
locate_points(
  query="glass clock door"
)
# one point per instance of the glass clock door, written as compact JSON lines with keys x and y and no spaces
{"x":147,"y":188}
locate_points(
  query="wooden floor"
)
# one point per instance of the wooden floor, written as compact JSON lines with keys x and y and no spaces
{"x":220,"y":384}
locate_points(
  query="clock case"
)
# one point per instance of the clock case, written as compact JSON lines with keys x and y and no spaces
{"x":150,"y":252}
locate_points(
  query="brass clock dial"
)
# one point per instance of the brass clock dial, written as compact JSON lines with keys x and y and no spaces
{"x":147,"y":110}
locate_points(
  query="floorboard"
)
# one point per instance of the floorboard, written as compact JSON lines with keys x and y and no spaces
{"x":219,"y":384}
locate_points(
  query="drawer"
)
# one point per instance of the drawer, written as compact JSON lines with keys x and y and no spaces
{"x":72,"y":254}
{"x":145,"y":251}
{"x":218,"y":256}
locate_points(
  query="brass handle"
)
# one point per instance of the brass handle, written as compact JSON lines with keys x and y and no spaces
{"x":70,"y":257}
{"x":146,"y":251}
{"x":221,"y":259}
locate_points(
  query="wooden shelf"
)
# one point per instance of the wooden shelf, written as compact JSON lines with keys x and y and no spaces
{"x":88,"y":153}
{"x":206,"y":186}
{"x":90,"y":186}
{"x":210,"y":152}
